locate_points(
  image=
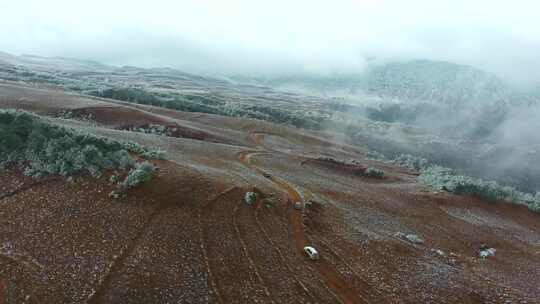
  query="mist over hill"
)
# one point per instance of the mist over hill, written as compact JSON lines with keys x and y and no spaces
{"x":449,"y":114}
{"x":447,"y":97}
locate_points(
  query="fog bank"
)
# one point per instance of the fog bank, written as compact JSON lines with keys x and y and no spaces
{"x":279,"y":37}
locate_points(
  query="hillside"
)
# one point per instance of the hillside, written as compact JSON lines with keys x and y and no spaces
{"x":412,"y":81}
{"x":427,"y":109}
{"x":188,"y":236}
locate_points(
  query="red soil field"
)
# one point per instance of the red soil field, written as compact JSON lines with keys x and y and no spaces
{"x":188,"y":236}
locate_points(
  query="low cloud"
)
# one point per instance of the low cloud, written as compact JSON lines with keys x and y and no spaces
{"x":279,"y":37}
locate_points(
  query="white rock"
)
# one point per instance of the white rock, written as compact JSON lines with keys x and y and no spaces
{"x":413,"y":238}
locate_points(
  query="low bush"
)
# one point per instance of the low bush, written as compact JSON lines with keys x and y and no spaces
{"x":140,"y":174}
{"x":535,"y":206}
{"x":374,"y":172}
{"x":250,"y":198}
{"x":128,"y":94}
{"x":410,"y":161}
{"x":144,"y":152}
{"x":154,"y":129}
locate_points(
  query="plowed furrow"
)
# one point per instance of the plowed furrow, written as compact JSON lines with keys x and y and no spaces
{"x":211,"y":276}
{"x":118,"y":262}
{"x":230,"y":267}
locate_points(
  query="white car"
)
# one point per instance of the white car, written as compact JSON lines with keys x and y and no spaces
{"x":311,"y":252}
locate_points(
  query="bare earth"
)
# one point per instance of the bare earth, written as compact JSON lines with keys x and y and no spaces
{"x":188,"y":237}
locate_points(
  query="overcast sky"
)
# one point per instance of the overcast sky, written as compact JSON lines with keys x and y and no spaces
{"x":278,"y":36}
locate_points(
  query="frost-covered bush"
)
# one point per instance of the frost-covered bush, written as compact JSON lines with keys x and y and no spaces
{"x":140,"y":174}
{"x":114,"y":179}
{"x":155,"y":129}
{"x":532,"y":201}
{"x":376,"y":156}
{"x":143,"y":151}
{"x":69,"y":114}
{"x":250,"y":198}
{"x":45,"y":148}
{"x":445,"y":179}
{"x":441,"y":178}
{"x":154,"y":154}
{"x":403,"y":160}
{"x":535,"y":206}
{"x":410,"y":161}
{"x":374,"y":172}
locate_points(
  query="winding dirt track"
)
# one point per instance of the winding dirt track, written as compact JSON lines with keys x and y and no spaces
{"x":344,"y":292}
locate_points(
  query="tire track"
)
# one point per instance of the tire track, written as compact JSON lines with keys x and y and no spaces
{"x":330,"y":276}
{"x":332,"y":279}
{"x":292,"y":274}
{"x":278,"y":283}
{"x":246,"y":252}
{"x":314,"y":284}
{"x":368,"y":293}
{"x":275,"y":272}
{"x":211,"y":278}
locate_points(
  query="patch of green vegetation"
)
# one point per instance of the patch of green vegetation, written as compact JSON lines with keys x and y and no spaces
{"x":250,"y":198}
{"x":142,"y":173}
{"x":154,"y":129}
{"x":216,"y":105}
{"x":374,"y":172}
{"x":410,"y":161}
{"x":445,"y":179}
{"x":128,"y":94}
{"x":535,"y":206}
{"x":43,"y":148}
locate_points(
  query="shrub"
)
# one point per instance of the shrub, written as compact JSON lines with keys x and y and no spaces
{"x":114,"y":179}
{"x":45,"y":148}
{"x":374,"y":172}
{"x":128,"y":94}
{"x":154,"y":129}
{"x":445,"y":179}
{"x":250,"y":198}
{"x":535,"y":206}
{"x":154,"y":154}
{"x":143,"y":151}
{"x":410,"y":161}
{"x":140,"y":174}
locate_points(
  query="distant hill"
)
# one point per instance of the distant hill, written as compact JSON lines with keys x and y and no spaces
{"x":412,"y":81}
